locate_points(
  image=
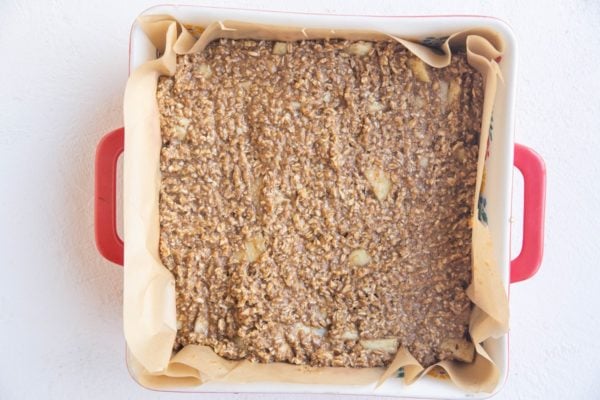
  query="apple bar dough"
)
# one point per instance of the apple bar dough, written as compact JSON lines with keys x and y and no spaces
{"x":315,"y":201}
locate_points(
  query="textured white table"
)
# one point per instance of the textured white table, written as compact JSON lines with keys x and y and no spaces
{"x":62,"y":74}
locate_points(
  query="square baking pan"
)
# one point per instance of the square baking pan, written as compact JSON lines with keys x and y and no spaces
{"x":504,"y":154}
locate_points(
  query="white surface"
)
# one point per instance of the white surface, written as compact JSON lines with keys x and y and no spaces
{"x":60,"y":303}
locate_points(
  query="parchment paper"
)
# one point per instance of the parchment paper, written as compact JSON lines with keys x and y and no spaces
{"x":149,"y":288}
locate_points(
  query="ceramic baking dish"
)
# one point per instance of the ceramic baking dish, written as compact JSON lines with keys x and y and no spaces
{"x":504,"y":154}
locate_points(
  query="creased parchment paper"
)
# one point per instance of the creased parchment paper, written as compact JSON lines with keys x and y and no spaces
{"x":149,"y":288}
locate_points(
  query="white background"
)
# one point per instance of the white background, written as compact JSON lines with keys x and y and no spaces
{"x":63,"y":69}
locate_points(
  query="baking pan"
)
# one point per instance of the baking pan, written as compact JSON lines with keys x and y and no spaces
{"x":504,"y":154}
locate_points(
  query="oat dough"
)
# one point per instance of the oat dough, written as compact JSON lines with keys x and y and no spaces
{"x":315,"y":201}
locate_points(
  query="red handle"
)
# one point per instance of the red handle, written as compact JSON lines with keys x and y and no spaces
{"x":532,"y":166}
{"x":523,"y":267}
{"x":108,"y":241}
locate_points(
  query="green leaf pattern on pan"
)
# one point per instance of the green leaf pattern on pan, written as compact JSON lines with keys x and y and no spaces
{"x":435,"y":42}
{"x":481,"y":212}
{"x":400,"y":373}
{"x":492,"y":127}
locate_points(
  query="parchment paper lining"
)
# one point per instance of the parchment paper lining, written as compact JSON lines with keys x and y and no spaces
{"x":149,"y":288}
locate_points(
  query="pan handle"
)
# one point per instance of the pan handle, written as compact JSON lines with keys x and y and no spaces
{"x":523,"y":267}
{"x":108,"y":242}
{"x":532,"y":166}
